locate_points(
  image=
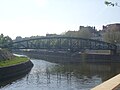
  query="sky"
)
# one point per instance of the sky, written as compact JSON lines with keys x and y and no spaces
{"x":40,"y":17}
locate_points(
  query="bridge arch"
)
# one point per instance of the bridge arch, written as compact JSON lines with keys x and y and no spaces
{"x":62,"y":43}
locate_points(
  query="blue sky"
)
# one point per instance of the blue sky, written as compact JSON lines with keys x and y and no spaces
{"x":37,"y":17}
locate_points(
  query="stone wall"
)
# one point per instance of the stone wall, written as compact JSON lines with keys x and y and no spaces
{"x":14,"y":71}
{"x":5,"y":55}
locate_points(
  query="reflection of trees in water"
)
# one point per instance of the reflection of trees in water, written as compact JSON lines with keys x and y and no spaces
{"x":76,"y":75}
{"x":84,"y":75}
{"x":61,"y":75}
{"x":104,"y":71}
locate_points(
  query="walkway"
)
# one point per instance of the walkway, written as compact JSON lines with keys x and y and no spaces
{"x":111,"y":84}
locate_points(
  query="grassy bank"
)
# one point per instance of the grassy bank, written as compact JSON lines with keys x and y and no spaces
{"x":14,"y":61}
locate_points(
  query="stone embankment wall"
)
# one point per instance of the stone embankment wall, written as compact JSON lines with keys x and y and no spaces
{"x":14,"y":71}
{"x":5,"y":55}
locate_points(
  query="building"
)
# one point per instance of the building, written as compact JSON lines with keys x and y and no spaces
{"x":109,"y":27}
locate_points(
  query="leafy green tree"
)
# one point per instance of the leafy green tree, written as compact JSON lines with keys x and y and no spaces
{"x":7,"y":40}
{"x":4,"y":40}
{"x":1,"y":39}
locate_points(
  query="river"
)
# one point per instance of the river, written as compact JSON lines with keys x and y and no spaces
{"x":54,"y":76}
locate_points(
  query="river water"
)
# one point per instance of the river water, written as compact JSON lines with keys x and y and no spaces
{"x":54,"y":76}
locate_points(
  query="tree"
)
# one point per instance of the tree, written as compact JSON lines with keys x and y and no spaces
{"x":108,"y":3}
{"x":1,"y":39}
{"x":4,"y":40}
{"x":7,"y":40}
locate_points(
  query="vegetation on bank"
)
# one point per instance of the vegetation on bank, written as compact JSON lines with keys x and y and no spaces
{"x":13,"y":61}
{"x":4,"y":40}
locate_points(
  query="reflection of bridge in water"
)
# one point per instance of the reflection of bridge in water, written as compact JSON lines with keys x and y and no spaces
{"x":72,"y":44}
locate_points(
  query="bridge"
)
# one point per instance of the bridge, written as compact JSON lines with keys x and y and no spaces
{"x":72,"y":44}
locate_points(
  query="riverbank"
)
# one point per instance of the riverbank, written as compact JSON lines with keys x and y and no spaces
{"x":15,"y":70}
{"x":13,"y":61}
{"x":8,"y":59}
{"x":13,"y":66}
{"x":63,"y":57}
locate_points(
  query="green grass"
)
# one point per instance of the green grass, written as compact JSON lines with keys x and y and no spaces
{"x":14,"y":61}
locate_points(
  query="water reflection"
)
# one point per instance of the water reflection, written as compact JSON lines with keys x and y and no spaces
{"x":104,"y":71}
{"x":52,"y":76}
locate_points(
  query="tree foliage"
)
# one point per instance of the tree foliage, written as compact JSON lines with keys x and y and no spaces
{"x":108,"y":3}
{"x":4,"y":40}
